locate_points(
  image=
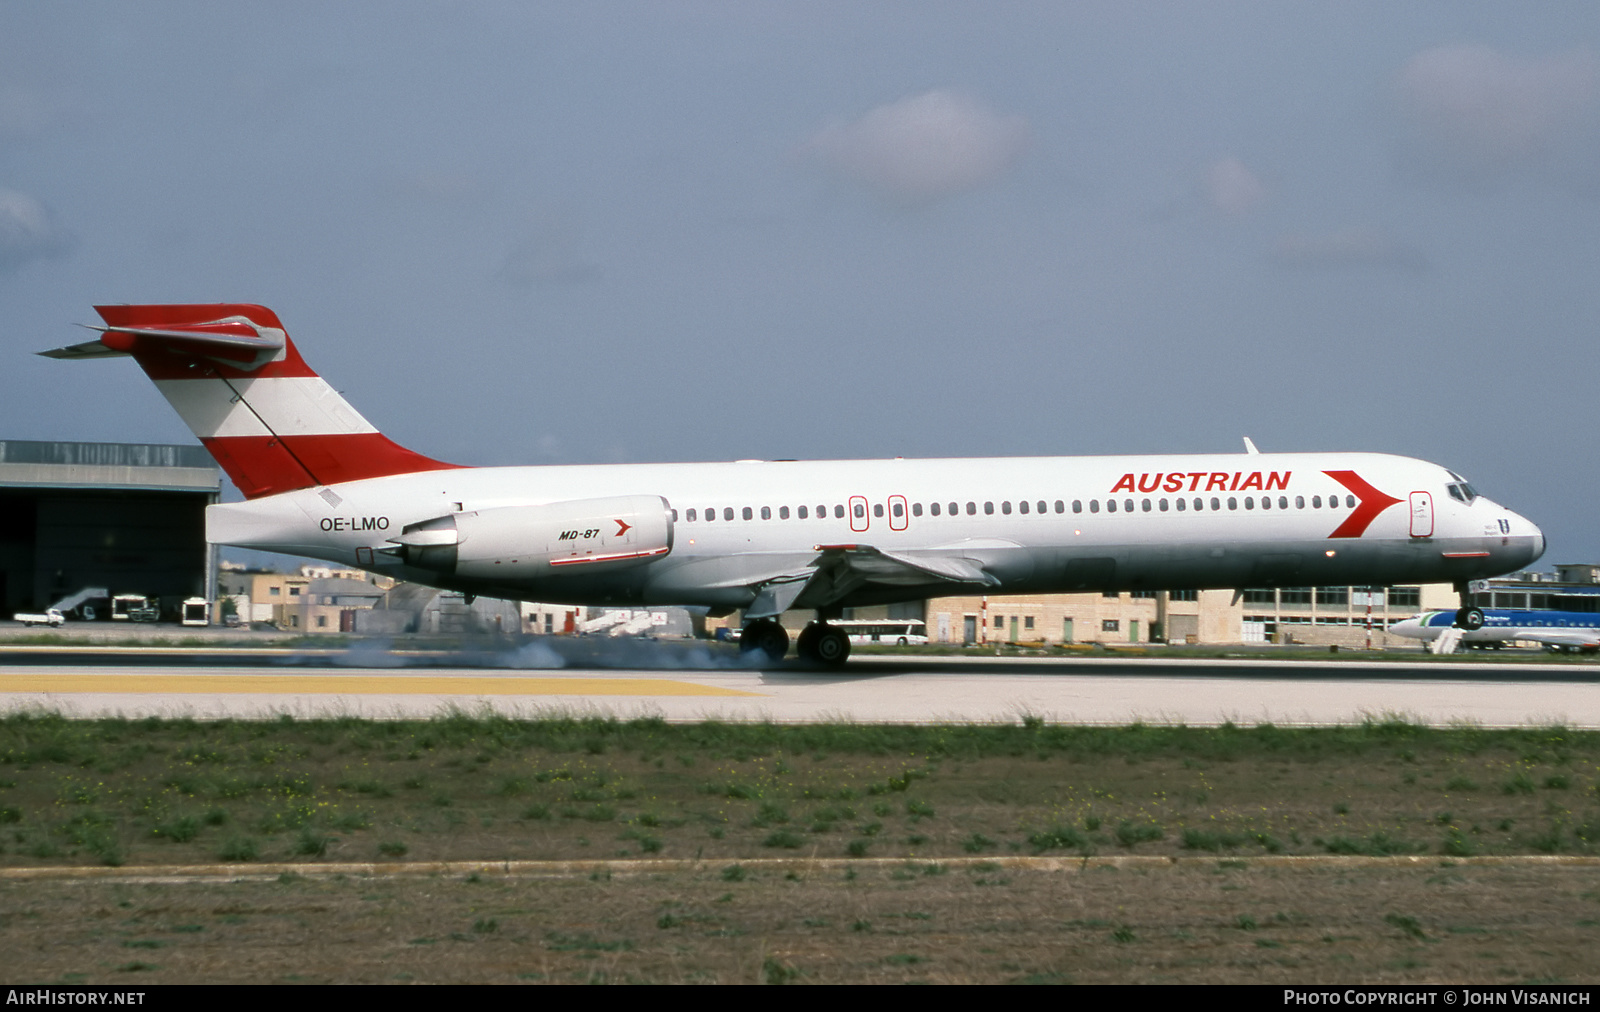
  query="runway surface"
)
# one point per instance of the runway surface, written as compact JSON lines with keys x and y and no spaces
{"x":690,"y":684}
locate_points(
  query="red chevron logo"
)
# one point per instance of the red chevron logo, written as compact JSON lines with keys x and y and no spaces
{"x":1370,"y":502}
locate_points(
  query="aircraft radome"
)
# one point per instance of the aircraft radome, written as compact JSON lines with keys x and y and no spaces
{"x":767,"y":536}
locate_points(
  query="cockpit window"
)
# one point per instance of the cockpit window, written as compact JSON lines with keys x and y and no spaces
{"x":1462,"y":491}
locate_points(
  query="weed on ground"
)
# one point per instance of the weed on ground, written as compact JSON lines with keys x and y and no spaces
{"x":141,"y":792}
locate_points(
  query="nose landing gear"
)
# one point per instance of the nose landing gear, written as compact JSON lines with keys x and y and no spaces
{"x":1468,"y":616}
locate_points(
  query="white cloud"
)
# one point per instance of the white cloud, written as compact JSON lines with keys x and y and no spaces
{"x":1359,"y":246}
{"x":28,"y":232}
{"x":1476,"y":113}
{"x":1232,"y":188}
{"x":924,"y":147}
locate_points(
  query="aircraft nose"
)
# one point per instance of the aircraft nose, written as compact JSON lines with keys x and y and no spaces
{"x":1528,"y":538}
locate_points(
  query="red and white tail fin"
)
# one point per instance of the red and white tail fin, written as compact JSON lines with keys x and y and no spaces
{"x":238,"y":382}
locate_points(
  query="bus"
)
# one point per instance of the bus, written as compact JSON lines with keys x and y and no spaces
{"x":898,"y":632}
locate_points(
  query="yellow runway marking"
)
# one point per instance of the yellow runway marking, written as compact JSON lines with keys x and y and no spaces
{"x":359,"y":685}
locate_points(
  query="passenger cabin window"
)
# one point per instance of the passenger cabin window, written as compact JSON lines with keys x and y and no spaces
{"x":877,"y":509}
{"x":727,"y":512}
{"x":954,"y":509}
{"x":1094,"y":505}
{"x":1180,"y":504}
{"x":1249,"y":502}
{"x":1233,"y":503}
{"x":690,"y":516}
{"x":1041,"y":505}
{"x":988,"y":508}
{"x":1299,"y":502}
{"x":1022,"y":507}
{"x":1111,"y":505}
{"x":711,"y":513}
{"x":933,"y":508}
{"x":1216,"y":503}
{"x":916,"y":509}
{"x":747,"y":513}
{"x":1163,"y":505}
{"x":972,"y":509}
{"x":1005,"y":507}
{"x":1316,"y":502}
{"x":1077,"y":506}
{"x":1145,"y":505}
{"x":766,"y":512}
{"x":838,"y":512}
{"x":859,"y":510}
{"x":1127,"y":504}
{"x":899,"y":509}
{"x":783,"y":512}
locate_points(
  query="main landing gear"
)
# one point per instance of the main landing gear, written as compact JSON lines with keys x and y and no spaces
{"x":766,"y":635}
{"x":1468,"y":617}
{"x":819,"y":642}
{"x":824,"y":644}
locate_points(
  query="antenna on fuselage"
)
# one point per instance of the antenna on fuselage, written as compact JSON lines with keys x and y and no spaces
{"x":1250,"y":447}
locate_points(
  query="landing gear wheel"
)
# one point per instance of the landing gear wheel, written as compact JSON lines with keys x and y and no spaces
{"x":830,"y":646}
{"x":806,"y":644}
{"x":1470,"y":619}
{"x":767,"y":636}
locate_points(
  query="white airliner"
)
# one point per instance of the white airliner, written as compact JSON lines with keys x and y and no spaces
{"x":767,"y":536}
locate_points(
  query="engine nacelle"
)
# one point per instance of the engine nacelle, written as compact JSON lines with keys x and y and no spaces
{"x":542,"y":542}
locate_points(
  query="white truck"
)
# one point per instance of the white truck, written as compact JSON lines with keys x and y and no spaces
{"x":52,"y":617}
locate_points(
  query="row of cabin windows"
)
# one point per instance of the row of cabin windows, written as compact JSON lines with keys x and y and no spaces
{"x":898,"y":509}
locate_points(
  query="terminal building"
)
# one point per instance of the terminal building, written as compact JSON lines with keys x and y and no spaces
{"x":1320,"y":616}
{"x":83,"y":521}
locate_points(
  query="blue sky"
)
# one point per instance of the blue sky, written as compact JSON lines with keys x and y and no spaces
{"x":610,"y":232}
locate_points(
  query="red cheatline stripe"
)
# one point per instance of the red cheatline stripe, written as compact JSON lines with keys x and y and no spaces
{"x":1370,"y":502}
{"x":607,"y":558}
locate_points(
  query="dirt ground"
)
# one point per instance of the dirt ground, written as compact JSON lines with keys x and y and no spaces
{"x":1202,"y":921}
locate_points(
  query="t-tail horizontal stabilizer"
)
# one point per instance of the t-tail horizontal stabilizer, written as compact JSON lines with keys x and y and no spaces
{"x":237,"y":380}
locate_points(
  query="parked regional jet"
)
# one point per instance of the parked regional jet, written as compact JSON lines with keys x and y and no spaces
{"x":767,"y":536}
{"x":1561,"y":630}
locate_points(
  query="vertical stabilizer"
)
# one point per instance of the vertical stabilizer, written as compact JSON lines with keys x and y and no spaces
{"x":238,"y":382}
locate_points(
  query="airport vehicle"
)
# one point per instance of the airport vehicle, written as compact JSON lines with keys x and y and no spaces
{"x":1559,"y":630}
{"x":766,"y":536}
{"x":196,"y":611}
{"x":125,"y":606}
{"x":898,"y":632}
{"x":51,"y":617}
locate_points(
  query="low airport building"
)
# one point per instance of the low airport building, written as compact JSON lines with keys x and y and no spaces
{"x":83,"y":522}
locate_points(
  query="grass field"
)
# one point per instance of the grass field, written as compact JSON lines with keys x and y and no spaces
{"x":945,"y":805}
{"x":178,"y":791}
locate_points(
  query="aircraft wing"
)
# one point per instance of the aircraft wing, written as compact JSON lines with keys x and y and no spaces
{"x":840,"y":570}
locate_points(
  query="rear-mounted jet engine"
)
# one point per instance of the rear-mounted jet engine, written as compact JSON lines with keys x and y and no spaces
{"x":540,"y":541}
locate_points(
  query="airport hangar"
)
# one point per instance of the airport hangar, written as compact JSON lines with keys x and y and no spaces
{"x":120,"y":518}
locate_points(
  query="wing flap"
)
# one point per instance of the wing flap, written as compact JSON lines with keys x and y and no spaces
{"x":839,"y":571}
